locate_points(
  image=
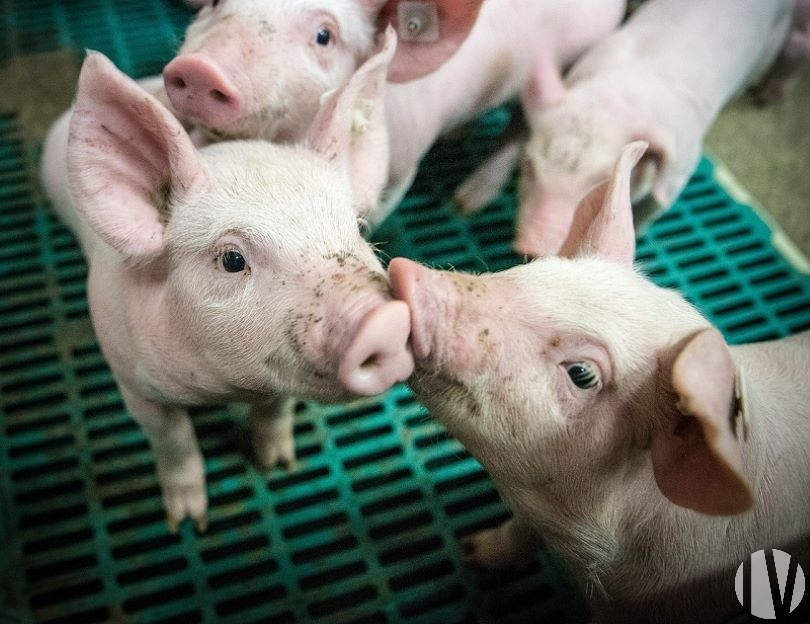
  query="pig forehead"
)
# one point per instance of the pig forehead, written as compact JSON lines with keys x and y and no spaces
{"x":348,"y":14}
{"x":350,"y":9}
{"x":595,"y":297}
{"x":240,"y":166}
{"x":258,"y":186}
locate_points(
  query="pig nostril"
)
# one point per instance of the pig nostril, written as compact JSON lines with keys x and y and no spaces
{"x":377,"y":356}
{"x":219,"y":96}
{"x":179,"y":83}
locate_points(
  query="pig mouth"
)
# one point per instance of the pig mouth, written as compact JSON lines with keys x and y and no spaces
{"x":428,"y":379}
{"x":303,"y":379}
{"x":268,"y":129}
{"x":447,"y":398}
{"x":220,"y":134}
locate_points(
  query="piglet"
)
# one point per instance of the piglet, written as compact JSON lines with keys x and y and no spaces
{"x":232,"y":273}
{"x":615,"y":421}
{"x":662,"y":77}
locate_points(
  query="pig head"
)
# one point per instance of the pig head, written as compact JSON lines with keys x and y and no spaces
{"x":257,"y":69}
{"x":662,"y":78}
{"x":607,"y":411}
{"x":235,"y":272}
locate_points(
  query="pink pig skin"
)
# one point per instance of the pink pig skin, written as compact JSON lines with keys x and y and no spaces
{"x":257,"y":69}
{"x":307,"y":312}
{"x":643,"y":481}
{"x":252,"y":69}
{"x":493,"y":65}
{"x":662,"y":77}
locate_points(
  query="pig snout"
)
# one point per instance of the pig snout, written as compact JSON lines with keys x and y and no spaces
{"x":378,"y":355}
{"x":454,"y":318}
{"x":410,"y":283}
{"x":199,"y":89}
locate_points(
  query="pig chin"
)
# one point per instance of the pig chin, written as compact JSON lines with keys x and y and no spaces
{"x":445,"y":396}
{"x":267,"y":126}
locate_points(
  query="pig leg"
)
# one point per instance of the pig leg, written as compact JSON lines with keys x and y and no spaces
{"x":391,"y":198}
{"x":486,"y":182}
{"x":513,"y":544}
{"x":179,"y":463}
{"x":271,"y":432}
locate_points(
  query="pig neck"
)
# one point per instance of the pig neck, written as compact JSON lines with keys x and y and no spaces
{"x":490,"y":67}
{"x":681,"y":563}
{"x":777,"y":452}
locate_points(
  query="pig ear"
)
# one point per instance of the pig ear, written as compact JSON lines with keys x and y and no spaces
{"x":673,"y":173}
{"x":661,"y":181}
{"x":430,"y":32}
{"x":603,"y":221}
{"x":127,"y":155}
{"x":350,"y":128}
{"x":697,"y":458}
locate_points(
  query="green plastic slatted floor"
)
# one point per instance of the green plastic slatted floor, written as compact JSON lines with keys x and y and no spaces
{"x":365,"y":530}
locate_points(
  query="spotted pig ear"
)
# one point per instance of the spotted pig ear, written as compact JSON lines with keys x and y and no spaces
{"x":350,"y":128}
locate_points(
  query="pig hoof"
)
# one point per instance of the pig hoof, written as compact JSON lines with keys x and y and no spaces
{"x":187,"y":500}
{"x":487,"y":550}
{"x":472,"y":196}
{"x":276,"y":452}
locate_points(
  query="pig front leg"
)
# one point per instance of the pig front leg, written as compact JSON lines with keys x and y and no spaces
{"x":179,"y":462}
{"x":485,"y":183}
{"x":513,"y":544}
{"x":271,"y":432}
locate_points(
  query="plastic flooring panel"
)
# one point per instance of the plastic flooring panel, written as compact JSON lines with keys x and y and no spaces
{"x":365,"y":529}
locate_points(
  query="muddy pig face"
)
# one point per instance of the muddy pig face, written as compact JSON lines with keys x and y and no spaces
{"x":246,"y":255}
{"x":258,"y":69}
{"x":568,"y":367}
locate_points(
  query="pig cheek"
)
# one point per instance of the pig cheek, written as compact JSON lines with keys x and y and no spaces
{"x":229,"y":324}
{"x":452,"y":401}
{"x":491,"y":425}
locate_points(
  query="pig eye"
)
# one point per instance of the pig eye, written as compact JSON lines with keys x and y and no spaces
{"x":323,"y":36}
{"x":214,"y":3}
{"x":582,"y":374}
{"x":233,"y":261}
